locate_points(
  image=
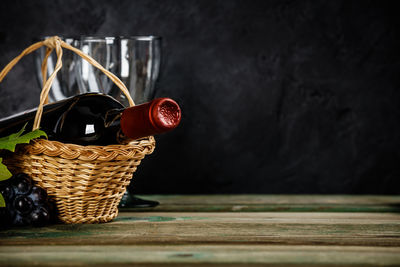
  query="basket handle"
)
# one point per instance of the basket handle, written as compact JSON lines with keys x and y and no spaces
{"x":56,"y":43}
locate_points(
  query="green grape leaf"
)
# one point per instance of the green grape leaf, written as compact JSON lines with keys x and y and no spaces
{"x":10,"y":142}
{"x":2,"y":202}
{"x":4,"y":172}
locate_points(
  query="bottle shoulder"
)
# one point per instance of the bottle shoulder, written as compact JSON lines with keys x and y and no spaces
{"x":93,"y":99}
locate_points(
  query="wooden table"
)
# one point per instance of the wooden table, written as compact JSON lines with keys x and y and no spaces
{"x":222,"y":230}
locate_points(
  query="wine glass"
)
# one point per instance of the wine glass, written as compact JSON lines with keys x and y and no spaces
{"x":139,"y":67}
{"x":65,"y":84}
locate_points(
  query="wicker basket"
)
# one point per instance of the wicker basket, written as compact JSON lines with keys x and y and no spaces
{"x":86,"y":182}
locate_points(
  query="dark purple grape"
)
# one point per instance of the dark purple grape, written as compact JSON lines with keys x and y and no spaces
{"x":22,"y":183}
{"x":23,"y":204}
{"x":21,"y":220}
{"x":38,"y":195}
{"x":26,"y":204}
{"x":8,"y":192}
{"x":40,"y":216}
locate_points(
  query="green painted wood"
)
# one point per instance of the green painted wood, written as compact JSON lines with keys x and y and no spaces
{"x":185,"y":230}
{"x":273,"y":203}
{"x":350,"y":229}
{"x":200,"y":255}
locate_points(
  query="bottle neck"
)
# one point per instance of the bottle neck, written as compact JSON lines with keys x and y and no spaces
{"x":155,"y":117}
{"x":112,"y":119}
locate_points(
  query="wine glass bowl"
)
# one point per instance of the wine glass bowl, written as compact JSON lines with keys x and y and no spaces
{"x":105,"y":51}
{"x":65,"y":84}
{"x":140,"y":58}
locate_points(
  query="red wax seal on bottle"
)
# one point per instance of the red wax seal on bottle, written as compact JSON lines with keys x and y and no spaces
{"x":158,"y":116}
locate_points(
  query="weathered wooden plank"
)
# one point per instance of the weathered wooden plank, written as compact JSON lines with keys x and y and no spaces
{"x":349,"y":229}
{"x":222,"y":238}
{"x":277,"y":199}
{"x":273,"y":203}
{"x":200,"y":255}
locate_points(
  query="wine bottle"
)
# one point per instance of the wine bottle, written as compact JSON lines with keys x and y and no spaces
{"x":98,"y":119}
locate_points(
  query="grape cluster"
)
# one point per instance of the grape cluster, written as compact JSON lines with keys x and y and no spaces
{"x":26,"y":204}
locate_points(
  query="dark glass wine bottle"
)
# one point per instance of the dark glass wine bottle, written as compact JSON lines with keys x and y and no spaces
{"x":98,"y":119}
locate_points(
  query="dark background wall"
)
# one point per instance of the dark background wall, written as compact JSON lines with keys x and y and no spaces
{"x":277,"y":96}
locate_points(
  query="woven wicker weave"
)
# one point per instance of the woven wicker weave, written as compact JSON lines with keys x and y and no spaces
{"x":86,"y":182}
